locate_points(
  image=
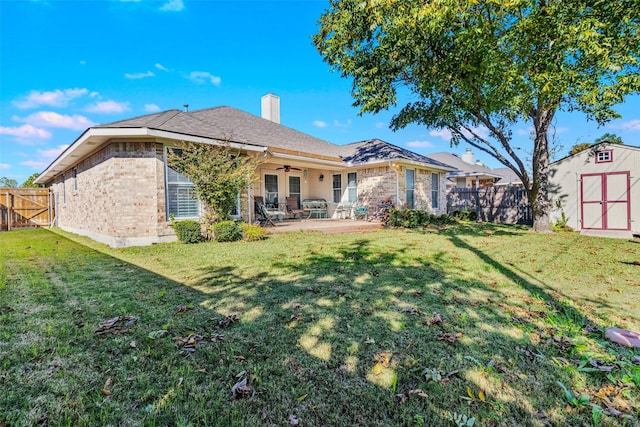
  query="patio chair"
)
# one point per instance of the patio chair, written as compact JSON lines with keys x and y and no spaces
{"x":361,"y":211}
{"x":293,"y":207}
{"x":264,"y":215}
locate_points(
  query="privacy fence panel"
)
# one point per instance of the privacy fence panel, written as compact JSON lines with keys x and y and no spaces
{"x":507,"y":205}
{"x":25,"y":207}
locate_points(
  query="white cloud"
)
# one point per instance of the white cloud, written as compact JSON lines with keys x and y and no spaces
{"x":420,"y":144}
{"x":201,"y":77}
{"x":51,"y":119}
{"x":54,"y":98}
{"x":445,"y":134}
{"x":139,"y":75}
{"x":5,"y":166}
{"x":25,"y":133}
{"x":172,"y":6}
{"x":630,"y":125}
{"x":161,"y":67}
{"x":320,"y":124}
{"x":108,"y":107}
{"x":52,"y":153}
{"x":151,"y":108}
{"x":525,"y":131}
{"x":342,"y":125}
{"x":44,"y":157}
{"x":380,"y":125}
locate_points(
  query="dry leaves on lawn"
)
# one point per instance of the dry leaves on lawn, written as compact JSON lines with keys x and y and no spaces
{"x":116,"y":325}
{"x":228,"y":320}
{"x":450,"y":337}
{"x":241,"y":389}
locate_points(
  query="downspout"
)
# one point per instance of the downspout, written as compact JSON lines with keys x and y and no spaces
{"x":397,"y":182}
{"x":249,"y":203}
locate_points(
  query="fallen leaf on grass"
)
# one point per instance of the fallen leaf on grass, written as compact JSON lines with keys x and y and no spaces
{"x":105,"y":392}
{"x":241,"y":389}
{"x":450,"y":337}
{"x":228,"y":320}
{"x":157,"y":334}
{"x":5,"y":309}
{"x":437,"y":319}
{"x":600,"y":365}
{"x":411,"y":310}
{"x":383,"y":358}
{"x":293,"y":420}
{"x":530,"y":353}
{"x":297,"y":317}
{"x":182,"y":308}
{"x":107,"y":383}
{"x":110,"y":326}
{"x":180,"y":381}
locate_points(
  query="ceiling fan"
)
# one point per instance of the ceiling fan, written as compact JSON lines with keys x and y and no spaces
{"x":288,"y":168}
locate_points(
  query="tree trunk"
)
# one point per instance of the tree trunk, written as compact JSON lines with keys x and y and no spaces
{"x":538,"y":193}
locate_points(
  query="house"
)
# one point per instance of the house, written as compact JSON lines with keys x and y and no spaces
{"x":114,"y":184}
{"x":508,"y":178}
{"x":598,"y":190}
{"x":468,"y":173}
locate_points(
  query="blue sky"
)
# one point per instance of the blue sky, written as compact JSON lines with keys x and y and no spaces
{"x":65,"y":65}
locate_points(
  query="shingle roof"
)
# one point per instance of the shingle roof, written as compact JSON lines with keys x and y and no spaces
{"x":227,"y":123}
{"x":464,"y":168}
{"x":508,"y":176}
{"x":375,"y":150}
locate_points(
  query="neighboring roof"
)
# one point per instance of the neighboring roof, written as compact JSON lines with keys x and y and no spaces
{"x":229,"y":124}
{"x":462,"y":168}
{"x":508,"y":176}
{"x":376,"y":151}
{"x":595,"y":148}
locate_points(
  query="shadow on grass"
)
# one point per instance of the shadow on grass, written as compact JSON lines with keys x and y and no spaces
{"x":341,"y":332}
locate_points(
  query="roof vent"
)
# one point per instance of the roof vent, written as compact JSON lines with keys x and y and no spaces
{"x":271,"y":107}
{"x":186,"y":108}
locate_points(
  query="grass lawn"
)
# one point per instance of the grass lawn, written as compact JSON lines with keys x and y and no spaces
{"x":389,"y":328}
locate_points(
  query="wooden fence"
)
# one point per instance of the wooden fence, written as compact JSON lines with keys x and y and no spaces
{"x":25,"y":207}
{"x":507,"y":205}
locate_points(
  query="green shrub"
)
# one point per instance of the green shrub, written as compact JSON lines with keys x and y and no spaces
{"x":227,"y":231}
{"x":253,"y":232}
{"x":413,"y":218}
{"x":466,"y":214}
{"x":188,"y":231}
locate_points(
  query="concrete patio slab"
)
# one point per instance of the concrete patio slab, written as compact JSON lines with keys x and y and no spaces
{"x":329,"y":226}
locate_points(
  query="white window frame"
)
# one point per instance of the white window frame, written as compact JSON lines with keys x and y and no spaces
{"x":411,"y":190}
{"x":352,"y":189}
{"x":168,"y":214}
{"x":435,"y":192}
{"x":338,"y":189}
{"x":268,"y":202}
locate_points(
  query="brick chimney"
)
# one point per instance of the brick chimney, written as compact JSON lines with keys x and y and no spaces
{"x":271,"y":107}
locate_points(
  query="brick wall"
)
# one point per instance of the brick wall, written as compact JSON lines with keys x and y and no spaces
{"x":119,"y":198}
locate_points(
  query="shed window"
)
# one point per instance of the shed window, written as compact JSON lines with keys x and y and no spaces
{"x":604,"y":156}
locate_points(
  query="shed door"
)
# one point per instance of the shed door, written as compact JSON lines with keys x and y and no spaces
{"x":605,"y":201}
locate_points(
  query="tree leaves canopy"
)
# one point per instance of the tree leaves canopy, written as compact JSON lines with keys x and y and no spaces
{"x":500,"y":59}
{"x":478,"y":67}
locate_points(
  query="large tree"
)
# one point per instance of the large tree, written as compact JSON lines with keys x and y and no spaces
{"x":480,"y":67}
